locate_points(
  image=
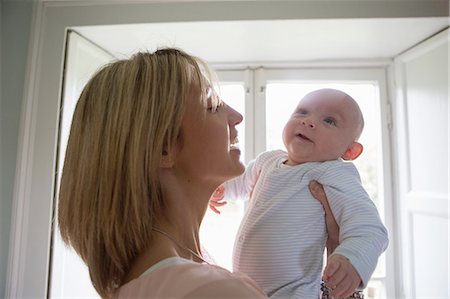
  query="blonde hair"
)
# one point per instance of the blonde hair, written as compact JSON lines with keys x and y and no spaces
{"x":127,"y":115}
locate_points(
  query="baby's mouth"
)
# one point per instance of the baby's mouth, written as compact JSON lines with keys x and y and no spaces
{"x":304,"y":137}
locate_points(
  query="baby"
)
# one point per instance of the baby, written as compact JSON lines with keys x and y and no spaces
{"x":281,"y":240}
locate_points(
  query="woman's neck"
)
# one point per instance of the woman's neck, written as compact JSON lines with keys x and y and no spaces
{"x":184,"y":207}
{"x":167,"y":240}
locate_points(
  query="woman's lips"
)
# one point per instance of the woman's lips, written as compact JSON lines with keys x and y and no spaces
{"x":234,"y":145}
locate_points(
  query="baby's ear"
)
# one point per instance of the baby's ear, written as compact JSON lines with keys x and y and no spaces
{"x":353,"y":151}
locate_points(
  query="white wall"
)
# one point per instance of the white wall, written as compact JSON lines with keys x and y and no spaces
{"x":15,"y":31}
{"x":15,"y":18}
{"x":2,"y":206}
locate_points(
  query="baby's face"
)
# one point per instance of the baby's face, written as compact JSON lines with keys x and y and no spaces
{"x":322,"y":127}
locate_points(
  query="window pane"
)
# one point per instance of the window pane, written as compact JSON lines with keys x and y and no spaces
{"x":218,"y":231}
{"x":375,"y":289}
{"x":234,"y":95}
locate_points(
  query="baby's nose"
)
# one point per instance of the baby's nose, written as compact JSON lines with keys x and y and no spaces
{"x":308,"y":122}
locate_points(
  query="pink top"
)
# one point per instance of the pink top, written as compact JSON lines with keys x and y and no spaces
{"x":176,"y":277}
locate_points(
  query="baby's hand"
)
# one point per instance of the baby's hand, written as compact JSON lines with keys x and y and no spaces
{"x":216,"y":199}
{"x":340,"y":276}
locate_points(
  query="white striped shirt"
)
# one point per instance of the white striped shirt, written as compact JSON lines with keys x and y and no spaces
{"x":281,"y":240}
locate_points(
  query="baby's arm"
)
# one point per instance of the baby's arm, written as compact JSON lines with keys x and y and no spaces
{"x":216,"y":201}
{"x":362,"y":236}
{"x":240,"y":187}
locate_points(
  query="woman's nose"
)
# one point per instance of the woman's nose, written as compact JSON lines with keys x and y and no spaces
{"x":234,"y":117}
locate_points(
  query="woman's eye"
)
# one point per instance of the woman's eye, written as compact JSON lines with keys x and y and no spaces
{"x":211,"y":105}
{"x":214,"y":102}
{"x":213,"y":108}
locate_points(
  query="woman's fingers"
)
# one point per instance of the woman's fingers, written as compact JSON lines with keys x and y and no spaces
{"x":332,"y":227}
{"x":318,"y":192}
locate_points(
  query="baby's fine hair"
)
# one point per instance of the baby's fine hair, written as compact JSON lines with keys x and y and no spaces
{"x":339,"y":93}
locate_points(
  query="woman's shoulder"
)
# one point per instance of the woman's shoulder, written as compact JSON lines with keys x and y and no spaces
{"x":190,"y":280}
{"x":221,"y":283}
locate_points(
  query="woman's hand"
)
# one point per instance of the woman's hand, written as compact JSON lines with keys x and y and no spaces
{"x":339,"y":273}
{"x":332,"y":227}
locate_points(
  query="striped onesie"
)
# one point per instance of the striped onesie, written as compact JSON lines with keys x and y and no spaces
{"x":281,"y":240}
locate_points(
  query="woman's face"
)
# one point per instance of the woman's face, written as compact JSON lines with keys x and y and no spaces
{"x":209,"y":152}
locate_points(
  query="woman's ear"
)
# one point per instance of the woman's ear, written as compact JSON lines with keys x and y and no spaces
{"x":167,"y":159}
{"x":353,"y":151}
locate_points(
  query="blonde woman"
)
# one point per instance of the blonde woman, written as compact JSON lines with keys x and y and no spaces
{"x":150,"y":142}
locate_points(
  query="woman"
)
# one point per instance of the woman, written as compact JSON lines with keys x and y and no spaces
{"x":150,"y":142}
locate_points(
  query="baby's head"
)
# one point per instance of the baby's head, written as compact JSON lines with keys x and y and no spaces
{"x":325,"y":126}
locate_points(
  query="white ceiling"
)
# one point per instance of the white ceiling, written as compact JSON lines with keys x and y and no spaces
{"x":271,"y":41}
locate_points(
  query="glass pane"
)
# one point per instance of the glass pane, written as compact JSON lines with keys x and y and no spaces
{"x":281,"y":100}
{"x":234,"y":95}
{"x":218,"y":231}
{"x":375,"y":289}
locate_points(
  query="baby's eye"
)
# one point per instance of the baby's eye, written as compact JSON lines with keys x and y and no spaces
{"x":330,"y":121}
{"x":301,"y":112}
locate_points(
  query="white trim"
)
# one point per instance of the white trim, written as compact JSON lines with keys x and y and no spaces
{"x":259,"y":104}
{"x":302,"y":8}
{"x":386,"y":99}
{"x":20,"y":208}
{"x":400,"y":164}
{"x":395,"y":235}
{"x":426,"y":46}
{"x":250,"y":152}
{"x":66,"y":3}
{"x":357,"y":63}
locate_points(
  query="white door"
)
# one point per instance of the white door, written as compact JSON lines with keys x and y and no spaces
{"x":82,"y":60}
{"x":421,"y":148}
